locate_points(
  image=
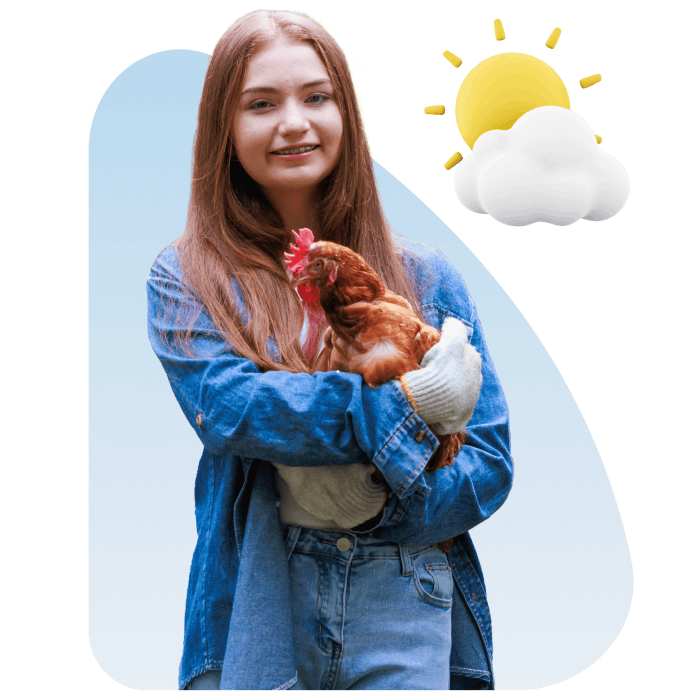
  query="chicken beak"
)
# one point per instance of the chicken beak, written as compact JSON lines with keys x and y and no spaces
{"x":300,"y":280}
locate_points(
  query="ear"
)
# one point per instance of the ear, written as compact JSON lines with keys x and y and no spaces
{"x":333,"y":275}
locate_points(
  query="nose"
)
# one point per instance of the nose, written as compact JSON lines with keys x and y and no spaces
{"x":293,"y":120}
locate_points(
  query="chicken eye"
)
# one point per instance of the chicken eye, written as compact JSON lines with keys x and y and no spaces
{"x":317,"y":265}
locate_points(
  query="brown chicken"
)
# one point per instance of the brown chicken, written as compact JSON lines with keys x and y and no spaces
{"x":381,"y":337}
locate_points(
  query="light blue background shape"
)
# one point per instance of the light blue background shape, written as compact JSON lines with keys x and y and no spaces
{"x":555,"y":557}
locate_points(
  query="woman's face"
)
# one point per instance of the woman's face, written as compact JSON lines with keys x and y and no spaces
{"x":287,"y":127}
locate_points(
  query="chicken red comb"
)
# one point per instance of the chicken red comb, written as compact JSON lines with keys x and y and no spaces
{"x":295,"y":260}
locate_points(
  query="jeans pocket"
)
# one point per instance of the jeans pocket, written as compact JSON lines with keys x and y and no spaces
{"x":433,"y":578}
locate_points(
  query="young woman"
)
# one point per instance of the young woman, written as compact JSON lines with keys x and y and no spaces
{"x":349,"y":591}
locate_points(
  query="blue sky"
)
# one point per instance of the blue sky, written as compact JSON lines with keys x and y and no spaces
{"x":555,"y":557}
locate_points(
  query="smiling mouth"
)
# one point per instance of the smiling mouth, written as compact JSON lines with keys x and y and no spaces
{"x":293,"y":151}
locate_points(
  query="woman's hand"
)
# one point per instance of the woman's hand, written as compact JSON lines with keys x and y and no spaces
{"x":447,"y":389}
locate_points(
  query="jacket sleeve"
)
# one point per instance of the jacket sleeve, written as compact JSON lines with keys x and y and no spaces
{"x":452,"y":500}
{"x":296,"y":419}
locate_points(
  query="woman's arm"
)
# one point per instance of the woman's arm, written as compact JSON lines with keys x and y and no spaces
{"x":296,"y":419}
{"x":450,"y":501}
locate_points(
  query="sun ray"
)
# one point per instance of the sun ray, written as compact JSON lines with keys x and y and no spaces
{"x":553,"y":38}
{"x":453,"y":58}
{"x":453,"y":160}
{"x":435,"y":109}
{"x":590,"y":80}
{"x":498,"y":30}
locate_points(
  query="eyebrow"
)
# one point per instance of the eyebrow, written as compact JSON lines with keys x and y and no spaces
{"x":263,"y":88}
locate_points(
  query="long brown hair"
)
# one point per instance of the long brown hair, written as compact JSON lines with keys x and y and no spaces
{"x":233,"y":232}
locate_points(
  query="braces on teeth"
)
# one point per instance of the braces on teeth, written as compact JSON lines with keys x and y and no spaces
{"x":303,"y":149}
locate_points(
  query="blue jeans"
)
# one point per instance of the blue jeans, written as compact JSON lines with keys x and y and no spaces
{"x":368,"y":614}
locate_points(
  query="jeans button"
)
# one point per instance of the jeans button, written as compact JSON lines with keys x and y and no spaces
{"x":420,"y":436}
{"x":343,"y":544}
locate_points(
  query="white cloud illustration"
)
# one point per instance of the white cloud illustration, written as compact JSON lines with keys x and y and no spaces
{"x":546,"y":167}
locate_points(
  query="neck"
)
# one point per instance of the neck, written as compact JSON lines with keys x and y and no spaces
{"x":296,"y":208}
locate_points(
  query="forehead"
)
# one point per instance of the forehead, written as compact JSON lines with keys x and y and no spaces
{"x":283,"y":61}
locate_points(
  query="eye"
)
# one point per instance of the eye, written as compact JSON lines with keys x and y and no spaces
{"x":317,"y":265}
{"x":260,"y":104}
{"x":318,"y":99}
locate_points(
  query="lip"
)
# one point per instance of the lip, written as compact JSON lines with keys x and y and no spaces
{"x":295,"y":156}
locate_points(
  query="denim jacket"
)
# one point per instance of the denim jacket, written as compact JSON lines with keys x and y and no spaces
{"x":238,"y":608}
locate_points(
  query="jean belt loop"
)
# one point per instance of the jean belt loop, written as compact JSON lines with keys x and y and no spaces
{"x":406,"y":561}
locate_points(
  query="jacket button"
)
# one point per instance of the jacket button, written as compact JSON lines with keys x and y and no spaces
{"x":343,"y":544}
{"x":420,"y":436}
{"x":198,"y":420}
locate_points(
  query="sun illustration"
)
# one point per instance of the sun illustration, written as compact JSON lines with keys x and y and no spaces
{"x":500,"y":89}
